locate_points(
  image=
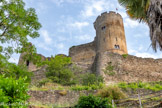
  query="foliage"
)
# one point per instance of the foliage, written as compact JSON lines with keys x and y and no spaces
{"x":136,"y":9}
{"x":13,"y":93}
{"x":43,"y":82}
{"x":93,"y":102}
{"x":109,"y":70}
{"x":125,"y":55}
{"x":91,"y":79}
{"x":112,"y":92}
{"x":89,"y":87}
{"x":16,"y":23}
{"x":11,"y":69}
{"x":134,"y":86}
{"x":58,"y":70}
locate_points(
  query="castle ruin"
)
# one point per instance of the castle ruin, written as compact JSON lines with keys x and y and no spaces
{"x":106,"y":50}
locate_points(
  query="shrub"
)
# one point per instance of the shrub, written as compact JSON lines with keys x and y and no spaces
{"x":112,"y":92}
{"x":58,"y":70}
{"x":125,"y":55}
{"x":155,"y":87}
{"x":13,"y":70}
{"x":43,"y":82}
{"x":89,"y":87}
{"x":109,"y":70}
{"x":13,"y":93}
{"x":92,"y":79}
{"x":93,"y":102}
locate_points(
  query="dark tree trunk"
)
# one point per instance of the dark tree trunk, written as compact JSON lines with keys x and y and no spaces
{"x":154,"y":16}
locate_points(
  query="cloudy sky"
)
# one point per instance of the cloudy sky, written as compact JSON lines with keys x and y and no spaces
{"x":66,"y":23}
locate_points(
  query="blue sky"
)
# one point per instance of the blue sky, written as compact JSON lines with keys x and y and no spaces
{"x":66,"y":23}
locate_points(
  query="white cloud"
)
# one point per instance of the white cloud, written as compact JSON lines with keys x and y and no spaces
{"x":46,"y":37}
{"x":59,"y":46}
{"x":14,"y":60}
{"x":43,"y":46}
{"x":94,"y":7}
{"x":146,"y":55}
{"x":130,"y":23}
{"x":84,"y":38}
{"x":79,"y":25}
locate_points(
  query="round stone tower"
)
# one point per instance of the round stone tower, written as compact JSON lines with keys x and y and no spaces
{"x":110,"y":35}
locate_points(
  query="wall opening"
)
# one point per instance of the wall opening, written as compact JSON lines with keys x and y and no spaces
{"x":27,"y":63}
{"x":103,"y":28}
{"x":117,"y":47}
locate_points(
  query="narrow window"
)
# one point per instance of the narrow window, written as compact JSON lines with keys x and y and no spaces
{"x":27,"y":63}
{"x":104,"y":27}
{"x":117,"y":47}
{"x":116,"y":39}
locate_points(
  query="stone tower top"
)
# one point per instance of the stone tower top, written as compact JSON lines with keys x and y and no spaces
{"x":110,"y":35}
{"x":104,"y":17}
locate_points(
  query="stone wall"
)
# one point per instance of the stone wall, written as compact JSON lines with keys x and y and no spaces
{"x":129,"y":69}
{"x":57,"y":97}
{"x":83,"y":53}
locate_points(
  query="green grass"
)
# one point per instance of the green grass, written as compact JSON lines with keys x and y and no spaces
{"x":90,"y":87}
{"x":154,"y":87}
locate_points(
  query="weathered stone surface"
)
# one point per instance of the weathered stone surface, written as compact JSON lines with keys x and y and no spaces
{"x":131,"y":68}
{"x":54,"y":97}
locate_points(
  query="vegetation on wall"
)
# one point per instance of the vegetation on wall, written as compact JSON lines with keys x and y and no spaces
{"x":109,"y":70}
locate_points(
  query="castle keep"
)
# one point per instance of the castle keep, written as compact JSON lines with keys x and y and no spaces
{"x":110,"y":36}
{"x":107,"y":50}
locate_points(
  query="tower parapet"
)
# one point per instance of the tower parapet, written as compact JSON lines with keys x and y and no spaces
{"x":110,"y":35}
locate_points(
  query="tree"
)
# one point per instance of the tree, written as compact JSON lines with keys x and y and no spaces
{"x":150,"y":12}
{"x":16,"y":24}
{"x":58,"y":70}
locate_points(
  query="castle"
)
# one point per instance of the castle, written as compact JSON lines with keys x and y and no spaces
{"x":106,"y":50}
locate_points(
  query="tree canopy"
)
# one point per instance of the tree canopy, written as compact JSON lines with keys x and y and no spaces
{"x":16,"y":25}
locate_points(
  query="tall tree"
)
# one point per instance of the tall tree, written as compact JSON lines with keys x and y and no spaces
{"x":150,"y":12}
{"x":16,"y":24}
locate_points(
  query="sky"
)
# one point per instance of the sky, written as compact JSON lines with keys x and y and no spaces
{"x":67,"y":23}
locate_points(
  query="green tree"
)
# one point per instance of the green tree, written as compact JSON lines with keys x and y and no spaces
{"x":16,"y":24}
{"x":150,"y":12}
{"x":12,"y":70}
{"x":58,"y":70}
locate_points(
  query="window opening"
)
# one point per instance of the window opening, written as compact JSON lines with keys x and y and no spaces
{"x":27,"y":63}
{"x":117,"y":47}
{"x":103,"y":28}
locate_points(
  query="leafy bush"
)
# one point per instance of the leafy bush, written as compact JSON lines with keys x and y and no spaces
{"x":92,"y":79}
{"x":93,"y":102}
{"x":58,"y":70}
{"x":13,"y":93}
{"x":112,"y":92}
{"x":89,"y":87}
{"x":13,"y":70}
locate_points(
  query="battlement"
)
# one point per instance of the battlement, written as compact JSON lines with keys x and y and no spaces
{"x":108,"y":18}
